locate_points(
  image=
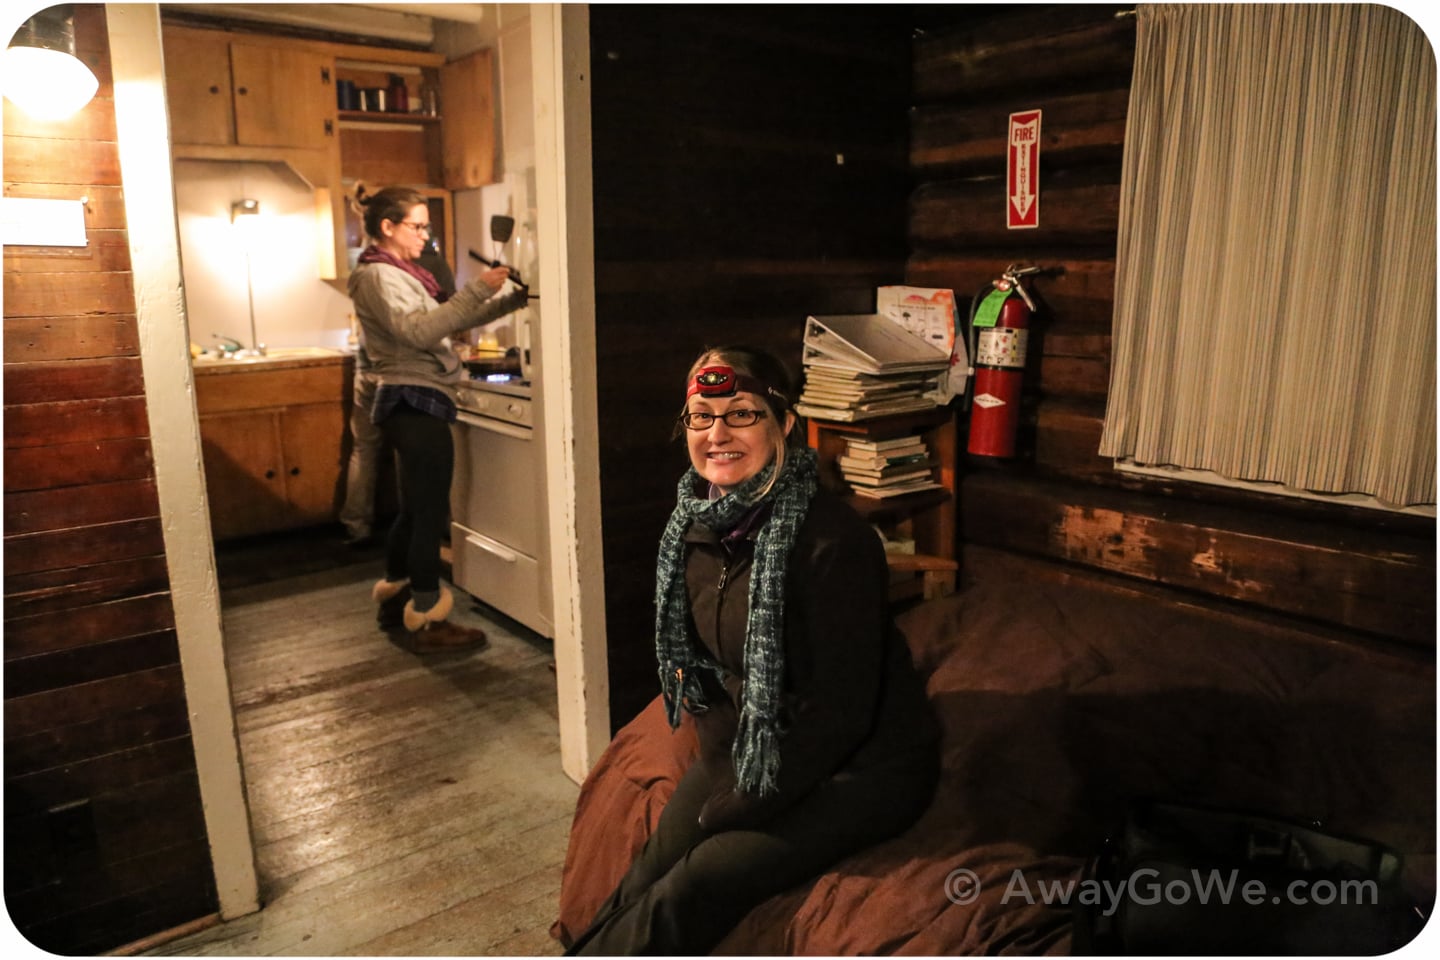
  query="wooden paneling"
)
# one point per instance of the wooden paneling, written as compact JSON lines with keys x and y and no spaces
{"x":749,"y":169}
{"x":51,"y":424}
{"x":103,"y":824}
{"x":1376,"y":584}
{"x":951,"y":139}
{"x":1024,"y":49}
{"x":72,"y":464}
{"x":1060,"y":505}
{"x":31,"y":158}
{"x":68,"y":629}
{"x":76,"y":547}
{"x":67,"y":507}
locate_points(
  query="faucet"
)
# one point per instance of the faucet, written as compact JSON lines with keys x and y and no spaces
{"x":229,"y":345}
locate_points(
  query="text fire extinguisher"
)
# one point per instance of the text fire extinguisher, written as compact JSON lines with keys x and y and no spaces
{"x":999,"y":336}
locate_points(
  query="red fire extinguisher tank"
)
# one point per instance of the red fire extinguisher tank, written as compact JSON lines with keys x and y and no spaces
{"x":999,"y":371}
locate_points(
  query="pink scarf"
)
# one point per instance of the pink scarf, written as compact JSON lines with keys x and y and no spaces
{"x":374,"y":254}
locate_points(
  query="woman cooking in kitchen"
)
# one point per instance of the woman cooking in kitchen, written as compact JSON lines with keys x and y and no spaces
{"x":774,"y":636}
{"x":407,"y":322}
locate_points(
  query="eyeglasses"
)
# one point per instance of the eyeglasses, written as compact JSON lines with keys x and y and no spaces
{"x":417,"y":227}
{"x":701,"y":420}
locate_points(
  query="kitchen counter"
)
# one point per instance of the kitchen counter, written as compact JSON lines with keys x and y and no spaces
{"x":272,"y":435}
{"x":277,"y":358}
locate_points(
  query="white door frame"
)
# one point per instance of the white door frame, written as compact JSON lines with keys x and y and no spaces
{"x":142,"y":134}
{"x":560,"y":61}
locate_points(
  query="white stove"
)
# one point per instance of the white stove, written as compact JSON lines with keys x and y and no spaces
{"x":498,"y":534}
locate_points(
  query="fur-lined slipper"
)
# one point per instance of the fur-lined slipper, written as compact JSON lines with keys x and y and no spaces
{"x":415,"y":620}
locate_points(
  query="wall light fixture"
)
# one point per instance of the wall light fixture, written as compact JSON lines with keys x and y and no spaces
{"x":40,"y":73}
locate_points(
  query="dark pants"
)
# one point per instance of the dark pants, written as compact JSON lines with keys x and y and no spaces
{"x":427,"y":462}
{"x":687,"y":889}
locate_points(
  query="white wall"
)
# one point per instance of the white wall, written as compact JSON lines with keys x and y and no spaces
{"x":293,"y":306}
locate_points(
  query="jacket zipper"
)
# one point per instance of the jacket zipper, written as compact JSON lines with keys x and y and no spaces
{"x":720,"y":594}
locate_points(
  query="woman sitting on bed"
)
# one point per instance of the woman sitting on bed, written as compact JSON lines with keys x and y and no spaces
{"x":772,"y":631}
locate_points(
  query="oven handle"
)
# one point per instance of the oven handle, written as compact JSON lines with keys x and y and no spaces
{"x":490,"y":546}
{"x":496,"y":426}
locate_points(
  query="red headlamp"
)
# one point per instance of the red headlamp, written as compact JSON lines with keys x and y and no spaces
{"x":724,"y":382}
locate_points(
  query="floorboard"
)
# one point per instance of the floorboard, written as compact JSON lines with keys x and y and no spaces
{"x":401,"y":805}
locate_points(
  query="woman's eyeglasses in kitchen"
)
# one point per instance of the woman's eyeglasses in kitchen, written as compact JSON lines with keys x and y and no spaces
{"x":421,"y":228}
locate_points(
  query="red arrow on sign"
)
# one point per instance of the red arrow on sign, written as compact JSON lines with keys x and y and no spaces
{"x":1022,"y":207}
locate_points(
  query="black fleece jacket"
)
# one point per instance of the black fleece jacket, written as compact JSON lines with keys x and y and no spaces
{"x":853,"y":704}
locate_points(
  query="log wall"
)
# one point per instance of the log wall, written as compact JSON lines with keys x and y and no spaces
{"x":105,"y":839}
{"x":1059,"y":504}
{"x":749,"y":170}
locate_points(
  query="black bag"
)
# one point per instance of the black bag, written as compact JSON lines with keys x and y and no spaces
{"x":1178,"y":879}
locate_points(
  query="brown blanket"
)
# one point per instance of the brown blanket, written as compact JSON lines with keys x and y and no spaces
{"x":1058,"y":703}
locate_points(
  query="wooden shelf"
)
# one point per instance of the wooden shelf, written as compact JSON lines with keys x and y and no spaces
{"x":928,"y":516}
{"x":384,"y":116}
{"x":903,"y":506}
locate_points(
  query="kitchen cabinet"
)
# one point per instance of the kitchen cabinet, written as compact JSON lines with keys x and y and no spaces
{"x":258,"y":97}
{"x":247,"y":93}
{"x":927,"y":517}
{"x":468,"y":137}
{"x":272,"y":436}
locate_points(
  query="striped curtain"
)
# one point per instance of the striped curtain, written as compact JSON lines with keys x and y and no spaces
{"x":1275,"y":277}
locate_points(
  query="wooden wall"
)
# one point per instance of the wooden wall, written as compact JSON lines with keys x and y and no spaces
{"x":104,"y":835}
{"x":1060,"y":507}
{"x":749,"y":167}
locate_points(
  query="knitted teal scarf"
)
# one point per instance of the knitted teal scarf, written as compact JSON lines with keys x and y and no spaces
{"x":756,"y":751}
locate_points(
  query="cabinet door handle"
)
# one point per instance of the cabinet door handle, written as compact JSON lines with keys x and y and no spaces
{"x":214,"y":88}
{"x":324,"y":74}
{"x":269,"y":474}
{"x":242,"y":90}
{"x":294,"y":471}
{"x":329,"y":128}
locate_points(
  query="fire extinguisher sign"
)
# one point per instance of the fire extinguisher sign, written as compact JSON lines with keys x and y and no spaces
{"x":1022,"y":203}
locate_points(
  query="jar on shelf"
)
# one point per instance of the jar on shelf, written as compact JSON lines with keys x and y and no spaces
{"x":429,"y":99}
{"x":399,"y":99}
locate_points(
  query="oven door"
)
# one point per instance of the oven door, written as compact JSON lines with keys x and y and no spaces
{"x":496,"y":546}
{"x":496,"y":478}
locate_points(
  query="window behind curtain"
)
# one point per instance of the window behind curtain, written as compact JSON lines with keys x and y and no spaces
{"x":1275,"y":278}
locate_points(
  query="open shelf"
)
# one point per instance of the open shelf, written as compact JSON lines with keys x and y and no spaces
{"x":384,"y":116}
{"x":927,"y":516}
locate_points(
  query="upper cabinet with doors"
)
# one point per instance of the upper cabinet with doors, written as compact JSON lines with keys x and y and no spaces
{"x":247,"y":93}
{"x":250,"y":96}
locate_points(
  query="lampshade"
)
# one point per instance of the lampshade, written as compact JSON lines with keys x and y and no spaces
{"x":40,"y":73}
{"x":243,"y":208}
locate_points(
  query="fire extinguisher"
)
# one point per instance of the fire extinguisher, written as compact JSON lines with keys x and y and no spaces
{"x":999,"y":335}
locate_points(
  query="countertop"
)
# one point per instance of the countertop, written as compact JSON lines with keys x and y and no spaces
{"x":277,"y":358}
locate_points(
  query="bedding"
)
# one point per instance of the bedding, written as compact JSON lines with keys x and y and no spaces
{"x":1059,"y":702}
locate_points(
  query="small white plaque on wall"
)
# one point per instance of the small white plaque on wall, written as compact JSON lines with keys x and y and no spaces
{"x":37,"y":222}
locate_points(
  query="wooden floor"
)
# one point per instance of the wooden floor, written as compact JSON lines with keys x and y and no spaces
{"x":401,"y":805}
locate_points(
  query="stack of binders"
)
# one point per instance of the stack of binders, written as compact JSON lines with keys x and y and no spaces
{"x":887,"y":468}
{"x":863,"y":366}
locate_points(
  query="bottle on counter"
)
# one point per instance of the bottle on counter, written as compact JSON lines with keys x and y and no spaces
{"x":399,"y":99}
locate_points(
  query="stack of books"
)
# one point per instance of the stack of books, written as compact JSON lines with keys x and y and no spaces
{"x":863,"y":366}
{"x":887,"y":468}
